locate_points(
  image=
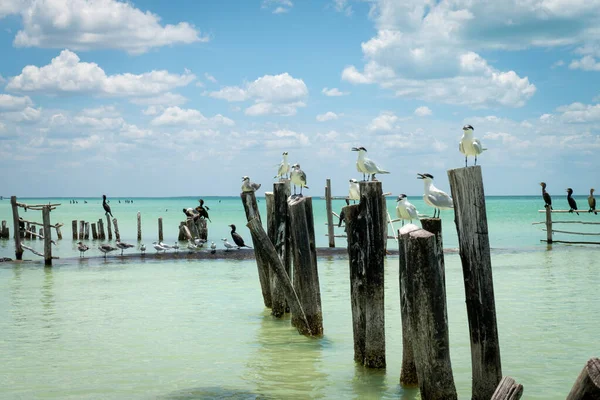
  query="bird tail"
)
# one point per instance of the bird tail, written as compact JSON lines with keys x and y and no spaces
{"x":305,"y":186}
{"x":383,"y":172}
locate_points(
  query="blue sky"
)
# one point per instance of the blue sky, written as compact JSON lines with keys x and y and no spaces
{"x":149,"y":98}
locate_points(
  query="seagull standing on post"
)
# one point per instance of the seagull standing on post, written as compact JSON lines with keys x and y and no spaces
{"x":284,"y":167}
{"x":106,"y":206}
{"x":405,"y":210}
{"x":366,"y":165}
{"x":298,"y":178}
{"x":248,"y":186}
{"x":468,"y":145}
{"x":435,"y":197}
{"x":353,"y":190}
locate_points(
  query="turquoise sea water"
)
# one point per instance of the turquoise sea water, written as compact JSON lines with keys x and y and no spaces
{"x":157,"y":329}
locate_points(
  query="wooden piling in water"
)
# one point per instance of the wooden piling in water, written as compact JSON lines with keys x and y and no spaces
{"x":4,"y":234}
{"x":474,"y":248}
{"x":17,"y":233}
{"x":434,"y":225}
{"x":549,"y":225}
{"x":28,"y":231}
{"x":587,"y":384}
{"x":426,"y":303}
{"x":330,"y":233}
{"x":508,"y":389}
{"x":202,"y":228}
{"x":101,"y":234}
{"x":251,"y":209}
{"x":58,"y":232}
{"x":108,"y":227}
{"x":94,"y":231}
{"x":139,"y":226}
{"x":74,"y":229}
{"x":116,"y":225}
{"x":184,"y":231}
{"x":87,"y":231}
{"x":47,"y":236}
{"x":40,"y":233}
{"x":81,"y":229}
{"x":304,"y":255}
{"x":160,"y":229}
{"x":366,"y":257}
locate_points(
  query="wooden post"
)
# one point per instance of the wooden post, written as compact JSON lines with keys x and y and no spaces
{"x":330,"y":233}
{"x":426,"y":300}
{"x":160,"y":229}
{"x":4,"y":234}
{"x":17,"y":234}
{"x":263,"y":242}
{"x":181,"y":235}
{"x":101,"y":234}
{"x":366,"y":258}
{"x":549,"y":225}
{"x":508,"y":389}
{"x":408,"y":371}
{"x":306,"y":275}
{"x":434,"y":225}
{"x":28,"y":231}
{"x":139,"y":226}
{"x":108,"y":227}
{"x":251,"y":209}
{"x":81,"y":229}
{"x":94,"y":231}
{"x":384,"y":223}
{"x":184,"y":232}
{"x":58,"y":232}
{"x":202,"y":227}
{"x":87,"y":231}
{"x":47,"y":235}
{"x":40,"y":233}
{"x":474,"y":248}
{"x":74,"y":228}
{"x":116,"y":225}
{"x":587,"y":385}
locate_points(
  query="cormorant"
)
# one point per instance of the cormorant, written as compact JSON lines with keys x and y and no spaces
{"x":202,"y":210}
{"x":237,"y":239}
{"x":546,"y":196}
{"x":571,"y":201}
{"x":592,"y":202}
{"x":106,"y":206}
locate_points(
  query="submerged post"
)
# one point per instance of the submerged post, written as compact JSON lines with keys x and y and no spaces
{"x":94,"y":231}
{"x":202,"y":228}
{"x":4,"y":233}
{"x":58,"y":232}
{"x":74,"y":228}
{"x":101,"y":234}
{"x":108,"y":227}
{"x":116,"y":225}
{"x":87,"y":231}
{"x":139,"y":226}
{"x":17,"y":234}
{"x":587,"y":385}
{"x":47,"y":235}
{"x":474,"y":248}
{"x":160,"y":229}
{"x":366,"y":257}
{"x":549,"y":224}
{"x":81,"y":229}
{"x":330,"y":233}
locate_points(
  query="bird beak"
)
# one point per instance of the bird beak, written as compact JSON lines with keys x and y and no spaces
{"x":354,"y":149}
{"x":420,"y":176}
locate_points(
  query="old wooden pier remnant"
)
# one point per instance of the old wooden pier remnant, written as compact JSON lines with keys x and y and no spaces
{"x":587,"y":384}
{"x":550,"y":231}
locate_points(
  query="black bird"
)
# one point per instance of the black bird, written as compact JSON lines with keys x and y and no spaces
{"x":342,"y":213}
{"x":592,"y":202}
{"x":546,"y":196}
{"x":571,"y":201}
{"x":106,"y":206}
{"x":203,"y":210}
{"x":237,"y":238}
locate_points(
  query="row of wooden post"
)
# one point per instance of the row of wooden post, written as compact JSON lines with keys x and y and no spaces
{"x":45,"y":232}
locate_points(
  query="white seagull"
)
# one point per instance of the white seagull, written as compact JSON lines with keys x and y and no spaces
{"x":82,"y":248}
{"x":434,"y":197}
{"x":468,"y":145}
{"x":353,"y":190}
{"x":248,"y":186}
{"x":158,"y":247}
{"x":366,"y":165}
{"x":298,"y":178}
{"x":228,"y":246}
{"x":199,"y":242}
{"x":106,"y":248}
{"x":284,"y":167}
{"x":176,"y":247}
{"x":123,"y":246}
{"x":213,"y":247}
{"x":405,"y":210}
{"x":143,"y":248}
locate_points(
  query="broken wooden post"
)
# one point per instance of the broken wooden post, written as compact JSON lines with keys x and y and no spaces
{"x":474,"y":248}
{"x":28,"y":231}
{"x":101,"y":234}
{"x":160,"y":229}
{"x":434,"y":225}
{"x":17,"y":234}
{"x":426,"y":302}
{"x":94,"y":231}
{"x":4,"y":234}
{"x":139,"y":226}
{"x":40,"y":233}
{"x":184,"y":232}
{"x":47,"y":235}
{"x":384,"y":222}
{"x":116,"y":225}
{"x":366,"y":258}
{"x":58,"y":232}
{"x":181,"y":235}
{"x":508,"y":389}
{"x":74,"y":228}
{"x":408,"y":371}
{"x":251,"y":209}
{"x":330,"y":233}
{"x":108,"y":227}
{"x":202,"y":228}
{"x":549,"y":224}
{"x":87,"y":231}
{"x":271,"y":256}
{"x":304,"y":254}
{"x":587,"y":384}
{"x":81,"y":229}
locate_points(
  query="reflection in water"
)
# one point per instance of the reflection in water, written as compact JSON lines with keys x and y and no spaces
{"x":16,"y":297}
{"x":206,"y":393}
{"x":49,"y":318}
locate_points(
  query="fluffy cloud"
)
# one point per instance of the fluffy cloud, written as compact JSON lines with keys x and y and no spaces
{"x":178,"y":116}
{"x":210,"y":78}
{"x":11,"y":103}
{"x":587,"y":63}
{"x":333,"y":92}
{"x":164,"y":99}
{"x":66,"y":73}
{"x":278,"y":6}
{"x":266,"y":108}
{"x":94,"y":24}
{"x":423,"y":111}
{"x":285,"y":139}
{"x":579,"y":113}
{"x":327,"y":116}
{"x":385,"y":122}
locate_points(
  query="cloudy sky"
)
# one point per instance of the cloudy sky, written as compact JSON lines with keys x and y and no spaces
{"x":152,"y":98}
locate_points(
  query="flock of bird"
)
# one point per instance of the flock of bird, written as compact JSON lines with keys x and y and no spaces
{"x":570,"y":200}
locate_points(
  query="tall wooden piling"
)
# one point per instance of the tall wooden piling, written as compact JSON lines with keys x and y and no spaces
{"x":160,"y":229}
{"x":101,"y":234}
{"x":81,"y":229}
{"x":28,"y":231}
{"x":366,"y":257}
{"x":474,"y":248}
{"x":202,"y":228}
{"x":587,"y":385}
{"x":17,"y":233}
{"x":108,"y":227}
{"x":47,"y":235}
{"x":40,"y":233}
{"x":74,"y":229}
{"x":426,"y":303}
{"x":87,"y":231}
{"x":116,"y":225}
{"x":549,"y":225}
{"x":139,"y":226}
{"x":4,"y":234}
{"x":304,"y":255}
{"x":251,"y":209}
{"x":94,"y":231}
{"x":328,"y":207}
{"x":434,"y":225}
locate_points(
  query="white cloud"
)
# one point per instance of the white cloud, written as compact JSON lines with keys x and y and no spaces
{"x":102,"y":111}
{"x":95,"y":24}
{"x":67,"y":74}
{"x":210,"y":78}
{"x":266,"y":108}
{"x":230,"y":93}
{"x":327,"y":116}
{"x":178,"y":116}
{"x":153,"y":110}
{"x":385,"y":122}
{"x":285,"y":139}
{"x":12,"y":103}
{"x":587,"y":63}
{"x":278,"y":6}
{"x":579,"y":113}
{"x":423,"y":111}
{"x":27,"y":115}
{"x":333,"y":92}
{"x":163,"y":99}
{"x":342,"y":6}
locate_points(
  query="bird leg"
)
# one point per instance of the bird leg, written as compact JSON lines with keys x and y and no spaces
{"x":373,"y":178}
{"x":465,"y":161}
{"x":475,"y":160}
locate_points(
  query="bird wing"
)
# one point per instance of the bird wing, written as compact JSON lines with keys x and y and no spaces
{"x":412,"y":211}
{"x":303,"y":178}
{"x":477,"y":146}
{"x":460,"y":147}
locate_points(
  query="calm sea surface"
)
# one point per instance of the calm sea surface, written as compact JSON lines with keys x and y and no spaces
{"x":180,"y":329}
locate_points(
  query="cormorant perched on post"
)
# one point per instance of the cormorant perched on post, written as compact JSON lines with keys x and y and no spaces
{"x":106,"y":206}
{"x":237,"y":238}
{"x":546,"y":196}
{"x":592,"y":202}
{"x":343,"y":214}
{"x":571,"y":201}
{"x":202,"y":210}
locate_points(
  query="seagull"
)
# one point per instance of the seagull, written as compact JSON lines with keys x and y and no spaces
{"x":354,"y":190}
{"x":405,"y":210}
{"x":190,"y":213}
{"x":176,"y":247}
{"x":123,"y":246}
{"x":106,"y":206}
{"x":192,"y":246}
{"x":237,"y":239}
{"x":248,"y":186}
{"x":82,"y":248}
{"x":434,"y":197}
{"x":592,"y":202}
{"x":202,"y":210}
{"x":165,"y":246}
{"x":157,"y":246}
{"x":367,"y":166}
{"x":284,"y":167}
{"x":213,"y":248}
{"x":546,"y":196}
{"x":228,"y":246}
{"x":298,"y":178}
{"x":106,"y":248}
{"x":143,"y":248}
{"x":571,"y":201}
{"x":469,"y":146}
{"x":199,"y":242}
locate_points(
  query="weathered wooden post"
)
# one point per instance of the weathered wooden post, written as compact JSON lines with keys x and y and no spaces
{"x":184,"y":231}
{"x":384,"y":223}
{"x":549,"y":224}
{"x":434,"y":225}
{"x":116,"y":225}
{"x":330,"y":233}
{"x":202,"y":228}
{"x":28,"y":231}
{"x":139,"y":226}
{"x":101,"y":234}
{"x":181,"y":235}
{"x":160,"y":229}
{"x":4,"y":234}
{"x":81,"y":229}
{"x":587,"y":385}
{"x":47,"y":235}
{"x":508,"y":389}
{"x":474,"y":248}
{"x":58,"y":232}
{"x":87,"y":231}
{"x":108,"y":227}
{"x":251,"y":209}
{"x":74,"y":229}
{"x":94,"y":231}
{"x":17,"y":234}
{"x":366,"y":256}
{"x":40,"y":233}
{"x":426,"y":301}
{"x":306,"y":275}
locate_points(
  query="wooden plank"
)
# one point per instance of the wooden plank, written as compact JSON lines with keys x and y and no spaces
{"x":574,"y":233}
{"x":568,"y":222}
{"x":563,"y":211}
{"x":569,"y":242}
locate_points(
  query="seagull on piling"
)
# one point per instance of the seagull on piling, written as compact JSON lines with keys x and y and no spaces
{"x":366,"y":165}
{"x":434,"y":197}
{"x":248,"y":186}
{"x":592,"y":202}
{"x":298,"y":178}
{"x":284,"y":167}
{"x":546,"y":196}
{"x":213,"y":248}
{"x":405,"y":210}
{"x":237,"y":238}
{"x":82,"y":248}
{"x":123,"y":246}
{"x":571,"y":201}
{"x":143,"y":248}
{"x":165,"y":246}
{"x":106,"y":206}
{"x":228,"y":246}
{"x":176,"y":247}
{"x":158,"y":247}
{"x":468,"y":145}
{"x":106,"y":248}
{"x":199,"y":242}
{"x":354,"y":190}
